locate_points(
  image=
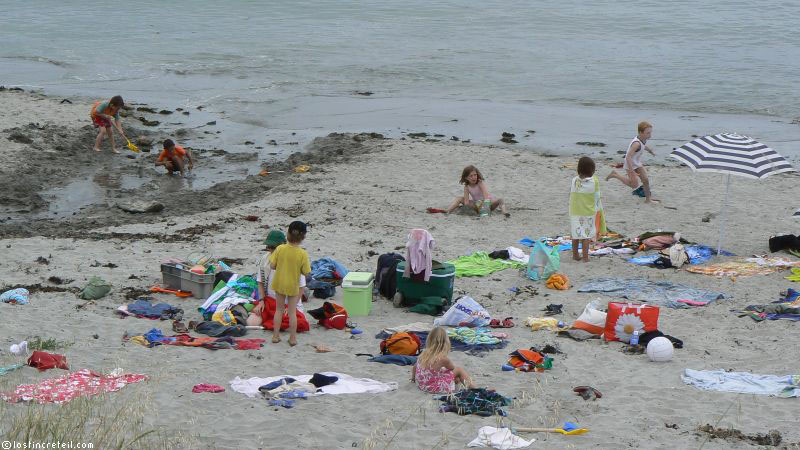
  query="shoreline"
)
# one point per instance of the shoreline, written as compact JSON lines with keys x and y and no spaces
{"x":293,"y":123}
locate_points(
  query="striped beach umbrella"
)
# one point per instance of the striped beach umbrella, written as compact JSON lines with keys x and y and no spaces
{"x":731,"y":154}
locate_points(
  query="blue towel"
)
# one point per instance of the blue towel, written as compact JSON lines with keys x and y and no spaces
{"x":400,"y":360}
{"x":324,"y":268}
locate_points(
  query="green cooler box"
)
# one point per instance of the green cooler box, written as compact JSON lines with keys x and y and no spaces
{"x":357,"y":293}
{"x":440,"y":284}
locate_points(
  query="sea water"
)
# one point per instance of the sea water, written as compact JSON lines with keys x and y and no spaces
{"x":569,"y":70}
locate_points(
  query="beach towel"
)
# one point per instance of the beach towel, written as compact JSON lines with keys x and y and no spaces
{"x":83,"y":383}
{"x":45,"y":361}
{"x":479,"y":264}
{"x":745,"y":267}
{"x":345,"y":384}
{"x":661,"y":293}
{"x":743,"y":382}
{"x":500,"y":438}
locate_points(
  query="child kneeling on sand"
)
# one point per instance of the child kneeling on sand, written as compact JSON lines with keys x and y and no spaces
{"x":174,"y":158}
{"x":586,"y":215}
{"x":434,"y":372}
{"x":476,"y":193}
{"x":289,"y":261}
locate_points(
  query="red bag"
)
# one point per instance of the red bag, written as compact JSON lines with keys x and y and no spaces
{"x":268,"y":313}
{"x":625,"y":318}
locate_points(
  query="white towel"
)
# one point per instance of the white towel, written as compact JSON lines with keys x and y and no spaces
{"x":345,"y":385}
{"x":501,"y":438}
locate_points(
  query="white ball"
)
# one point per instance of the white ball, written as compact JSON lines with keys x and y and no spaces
{"x":660,"y":349}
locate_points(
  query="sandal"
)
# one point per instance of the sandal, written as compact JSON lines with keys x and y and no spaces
{"x":494,"y":323}
{"x":276,"y":339}
{"x":507,"y":323}
{"x":179,"y":327}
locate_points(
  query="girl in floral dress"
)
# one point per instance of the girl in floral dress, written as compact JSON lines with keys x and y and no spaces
{"x":434,"y":372}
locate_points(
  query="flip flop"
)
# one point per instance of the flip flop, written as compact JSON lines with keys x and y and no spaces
{"x":507,"y":323}
{"x":179,"y":327}
{"x":494,"y":323}
{"x":588,"y":392}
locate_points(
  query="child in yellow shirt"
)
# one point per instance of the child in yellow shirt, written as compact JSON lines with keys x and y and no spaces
{"x":289,"y":261}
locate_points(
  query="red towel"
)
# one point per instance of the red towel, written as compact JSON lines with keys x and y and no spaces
{"x":44,"y":361}
{"x":269,"y":312}
{"x":436,"y":210}
{"x":214,"y":388}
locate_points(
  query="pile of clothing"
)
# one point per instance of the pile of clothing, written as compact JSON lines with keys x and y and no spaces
{"x":478,"y":401}
{"x":144,"y":308}
{"x":230,"y":292}
{"x":155,"y":337}
{"x":788,"y":307}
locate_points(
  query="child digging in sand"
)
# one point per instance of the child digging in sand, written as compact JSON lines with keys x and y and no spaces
{"x":289,"y":261}
{"x":587,"y":219}
{"x":103,"y":115}
{"x":633,"y":164}
{"x":475,"y":189}
{"x":434,"y":372}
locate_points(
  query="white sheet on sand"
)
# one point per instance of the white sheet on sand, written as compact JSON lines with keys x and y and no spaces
{"x":501,"y":438}
{"x":345,"y":385}
{"x":416,"y":326}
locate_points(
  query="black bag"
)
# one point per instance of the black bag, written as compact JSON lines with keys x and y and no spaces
{"x":385,"y":276}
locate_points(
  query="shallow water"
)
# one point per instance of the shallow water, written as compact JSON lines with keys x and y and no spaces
{"x":714,"y":56}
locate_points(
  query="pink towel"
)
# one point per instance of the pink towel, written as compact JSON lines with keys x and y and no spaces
{"x":419,"y":253}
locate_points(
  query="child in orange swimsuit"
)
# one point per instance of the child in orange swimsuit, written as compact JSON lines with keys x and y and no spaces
{"x":434,"y":372}
{"x":103,"y":115}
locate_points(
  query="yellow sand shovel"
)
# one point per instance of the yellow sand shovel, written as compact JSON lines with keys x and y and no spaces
{"x":568,"y":429}
{"x":132,"y":147}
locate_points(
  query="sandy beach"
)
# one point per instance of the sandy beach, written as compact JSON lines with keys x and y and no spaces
{"x":361,"y":197}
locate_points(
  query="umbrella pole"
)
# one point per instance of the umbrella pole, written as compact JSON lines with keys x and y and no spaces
{"x":722,"y":214}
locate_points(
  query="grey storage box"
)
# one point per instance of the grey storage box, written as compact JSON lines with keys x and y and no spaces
{"x":178,"y":276}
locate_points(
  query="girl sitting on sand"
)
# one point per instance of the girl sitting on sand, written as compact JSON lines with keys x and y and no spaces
{"x":103,"y":115}
{"x":475,"y":189}
{"x":633,"y":164}
{"x":434,"y":372}
{"x":587,"y":219}
{"x":289,"y":261}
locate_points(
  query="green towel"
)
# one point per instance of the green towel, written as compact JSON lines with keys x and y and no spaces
{"x":479,"y":264}
{"x":5,"y":370}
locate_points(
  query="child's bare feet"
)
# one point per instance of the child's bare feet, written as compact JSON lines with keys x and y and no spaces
{"x":96,"y":149}
{"x":585,"y":259}
{"x":276,"y":339}
{"x":115,"y":150}
{"x":292,"y":341}
{"x":608,"y":177}
{"x":576,"y":257}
